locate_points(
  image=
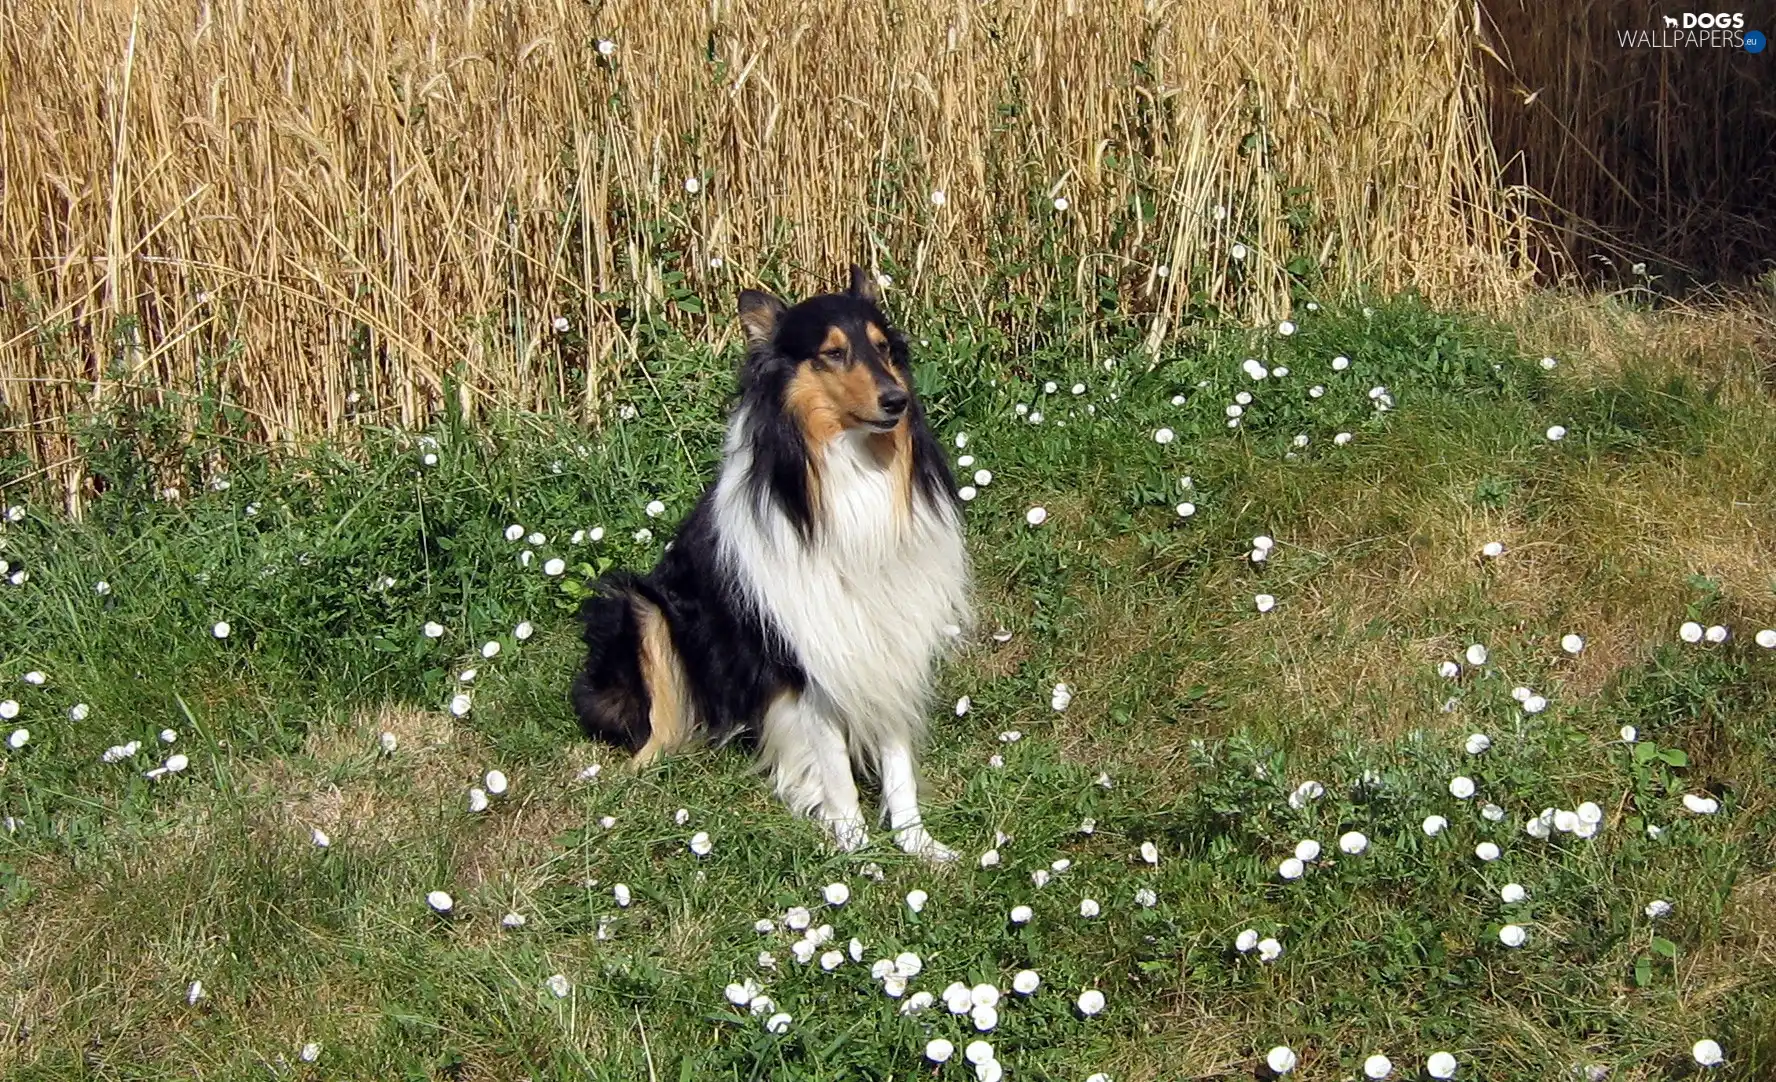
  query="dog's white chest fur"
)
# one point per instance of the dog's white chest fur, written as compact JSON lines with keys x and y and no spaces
{"x":864,"y":602}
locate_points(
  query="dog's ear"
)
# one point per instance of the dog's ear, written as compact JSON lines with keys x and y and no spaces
{"x":759,"y":315}
{"x":863,"y":286}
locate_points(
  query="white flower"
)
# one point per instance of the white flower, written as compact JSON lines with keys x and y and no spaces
{"x":1435,"y":825}
{"x":194,"y":992}
{"x":989,"y":858}
{"x":513,"y":920}
{"x":1589,"y":812}
{"x":1146,"y":898}
{"x":1716,"y":634}
{"x":1476,"y":654}
{"x":558,"y":985}
{"x":1478,"y":742}
{"x":319,"y":837}
{"x":778,"y":1023}
{"x":1657,"y":908}
{"x":606,"y":47}
{"x":477,"y":800}
{"x":433,"y":630}
{"x":938,"y":1050}
{"x":761,"y":1004}
{"x":1036,"y":516}
{"x":1378,"y":1067}
{"x":18,"y":739}
{"x":1269,"y":950}
{"x":1280,"y":1059}
{"x":1150,"y":852}
{"x":439,"y":901}
{"x":1316,"y":391}
{"x":221,"y":630}
{"x":693,"y":185}
{"x":1091,"y":1001}
{"x":1061,"y":203}
{"x":916,"y":899}
{"x":1461,"y":787}
{"x":496,"y":782}
{"x":1353,"y":842}
{"x":1306,"y":791}
{"x":620,"y":892}
{"x":983,"y":478}
{"x":655,"y":508}
{"x":1707,"y":1053}
{"x":741,"y":994}
{"x":1512,"y":893}
{"x":1264,"y":602}
{"x":176,"y":763}
{"x":1061,"y":865}
{"x":1186,"y":509}
{"x":310,"y":1052}
{"x":1572,"y":644}
{"x":1163,"y":436}
{"x":1566,"y":821}
{"x":490,"y":649}
{"x":1492,"y":550}
{"x":1690,"y":632}
{"x":984,"y":1017}
{"x":1307,"y":850}
{"x":1512,"y":935}
{"x":1492,"y":813}
{"x":1292,"y":868}
{"x":700,"y":843}
{"x":1766,"y":638}
{"x":1441,"y":1065}
{"x":555,"y":566}
{"x":35,"y":678}
{"x":1341,"y":439}
{"x":1088,"y":908}
{"x":515,"y":531}
{"x":966,"y":493}
{"x":1629,"y":734}
{"x":1039,"y":877}
{"x":1285,"y":328}
{"x":917,"y":1002}
{"x":1061,"y":697}
{"x":459,"y":705}
{"x":832,"y":960}
{"x":837,"y":893}
{"x":1556,"y":433}
{"x":1238,"y":252}
{"x":1701,"y":805}
{"x":1486,"y":851}
{"x":1534,"y":704}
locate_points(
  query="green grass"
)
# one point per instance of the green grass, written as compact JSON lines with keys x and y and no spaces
{"x":1659,"y":506}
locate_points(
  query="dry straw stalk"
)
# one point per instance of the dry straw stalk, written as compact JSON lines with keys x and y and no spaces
{"x":313,"y":217}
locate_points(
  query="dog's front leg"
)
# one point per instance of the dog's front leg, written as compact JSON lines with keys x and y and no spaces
{"x":900,"y":797}
{"x":811,"y":766}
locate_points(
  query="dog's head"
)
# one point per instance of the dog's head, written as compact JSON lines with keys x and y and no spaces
{"x":842,"y":366}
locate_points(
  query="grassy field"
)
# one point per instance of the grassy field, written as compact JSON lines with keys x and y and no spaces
{"x":1193,"y":720}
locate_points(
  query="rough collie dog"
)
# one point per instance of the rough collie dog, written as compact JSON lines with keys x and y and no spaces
{"x":804,"y":600}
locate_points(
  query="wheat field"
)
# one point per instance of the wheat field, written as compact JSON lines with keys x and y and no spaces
{"x":305,"y":220}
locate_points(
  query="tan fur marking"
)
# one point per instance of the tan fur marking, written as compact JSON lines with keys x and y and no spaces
{"x":836,"y":338}
{"x":669,"y":709}
{"x":878,"y":337}
{"x":900,"y":446}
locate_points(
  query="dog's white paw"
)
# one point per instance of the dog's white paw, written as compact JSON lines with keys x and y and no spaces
{"x":849,"y":835}
{"x":919,"y":843}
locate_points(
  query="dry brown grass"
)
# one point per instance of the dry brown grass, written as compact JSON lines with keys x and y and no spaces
{"x":316,"y":218}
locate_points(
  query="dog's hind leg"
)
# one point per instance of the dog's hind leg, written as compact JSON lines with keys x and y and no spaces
{"x":811,"y":767}
{"x":670,"y":724}
{"x":900,"y":798}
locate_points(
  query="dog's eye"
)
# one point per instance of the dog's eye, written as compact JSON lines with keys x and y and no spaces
{"x":832,"y":356}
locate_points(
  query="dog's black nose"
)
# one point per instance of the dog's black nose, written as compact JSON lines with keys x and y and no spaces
{"x":893,"y":402}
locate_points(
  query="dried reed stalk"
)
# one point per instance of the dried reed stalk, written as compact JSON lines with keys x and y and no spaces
{"x":316,"y":217}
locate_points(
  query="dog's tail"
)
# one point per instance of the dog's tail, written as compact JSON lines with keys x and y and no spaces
{"x":632,"y":690}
